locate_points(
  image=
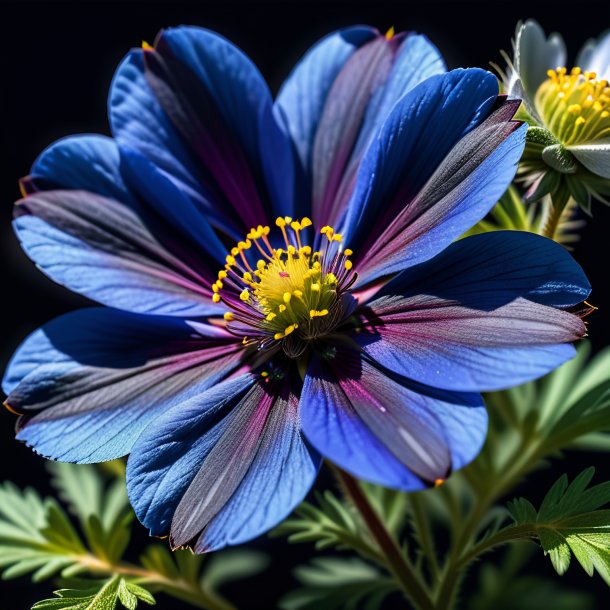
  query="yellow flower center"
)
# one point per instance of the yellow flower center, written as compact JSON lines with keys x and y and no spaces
{"x":575,"y":107}
{"x":278,"y":292}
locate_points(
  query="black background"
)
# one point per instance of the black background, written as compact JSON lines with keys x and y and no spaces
{"x":56,"y":63}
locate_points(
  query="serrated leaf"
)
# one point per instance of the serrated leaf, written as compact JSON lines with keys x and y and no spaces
{"x":35,"y":535}
{"x":569,"y":523}
{"x":330,"y":524}
{"x":84,"y":490}
{"x":507,"y":586}
{"x":105,"y":596}
{"x":79,"y":486}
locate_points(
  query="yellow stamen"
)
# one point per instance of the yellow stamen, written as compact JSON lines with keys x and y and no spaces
{"x":288,"y":289}
{"x":575,"y":107}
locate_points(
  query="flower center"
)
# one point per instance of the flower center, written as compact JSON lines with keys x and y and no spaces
{"x":575,"y":107}
{"x":290,"y":294}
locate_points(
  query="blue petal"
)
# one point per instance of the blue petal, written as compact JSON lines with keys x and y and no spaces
{"x":89,"y":382}
{"x":93,"y":163}
{"x":491,"y":269}
{"x":437,"y":167}
{"x":336,"y":99}
{"x":302,"y":96}
{"x":138,"y":122}
{"x":245,"y":102}
{"x":388,"y":430}
{"x":83,"y":162}
{"x":479,"y":316}
{"x":113,"y":254}
{"x":171,"y":203}
{"x":416,"y":60}
{"x":223,"y":467}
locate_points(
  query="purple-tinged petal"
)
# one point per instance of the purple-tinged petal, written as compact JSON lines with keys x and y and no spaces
{"x":491,"y":269}
{"x":336,"y":99}
{"x":302,"y":96}
{"x":388,"y":430}
{"x":162,"y":195}
{"x":89,"y":382}
{"x":106,"y":251}
{"x":224,"y":467}
{"x":343,"y":113}
{"x":93,"y":163}
{"x":139,"y":123}
{"x":480,"y":315}
{"x":437,"y":168}
{"x":230,"y":80}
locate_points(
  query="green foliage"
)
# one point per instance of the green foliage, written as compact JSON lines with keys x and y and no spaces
{"x":182,"y":571}
{"x":511,"y":213}
{"x":37,"y":537}
{"x":329,"y":524}
{"x":569,"y":408}
{"x":106,"y":596}
{"x":507,"y":586}
{"x":568,"y":523}
{"x":331,"y":583}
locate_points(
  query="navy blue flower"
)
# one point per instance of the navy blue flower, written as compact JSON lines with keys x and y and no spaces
{"x":282,"y":280}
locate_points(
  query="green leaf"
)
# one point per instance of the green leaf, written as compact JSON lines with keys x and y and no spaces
{"x":569,"y":523}
{"x":330,"y":524}
{"x":331,"y":583}
{"x":511,"y":213}
{"x":508,"y":585}
{"x":106,"y":596}
{"x":83,"y":488}
{"x":35,"y":536}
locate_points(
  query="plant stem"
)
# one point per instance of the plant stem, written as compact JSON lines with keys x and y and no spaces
{"x":178,"y":588}
{"x":524,"y":456}
{"x":555,"y":215}
{"x":422,"y":528}
{"x":396,"y":562}
{"x":509,"y":534}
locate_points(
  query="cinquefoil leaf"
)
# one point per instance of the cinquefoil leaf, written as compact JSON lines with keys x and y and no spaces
{"x":106,"y":596}
{"x":329,"y":524}
{"x":569,"y":523}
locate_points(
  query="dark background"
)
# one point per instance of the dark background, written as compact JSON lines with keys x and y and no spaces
{"x":56,"y":63}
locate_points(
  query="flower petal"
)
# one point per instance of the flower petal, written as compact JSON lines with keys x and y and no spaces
{"x":336,"y":100}
{"x":139,"y":123}
{"x":302,"y":96}
{"x":395,"y":220}
{"x":535,"y":54}
{"x":595,"y":56}
{"x":480,"y":315}
{"x":93,"y":163}
{"x":223,"y":467}
{"x":595,"y":156}
{"x":89,"y":382}
{"x":87,"y":162}
{"x":198,"y":108}
{"x":113,"y":254}
{"x":387,"y":430}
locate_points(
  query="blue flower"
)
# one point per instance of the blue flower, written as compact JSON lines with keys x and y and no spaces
{"x":345,"y":322}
